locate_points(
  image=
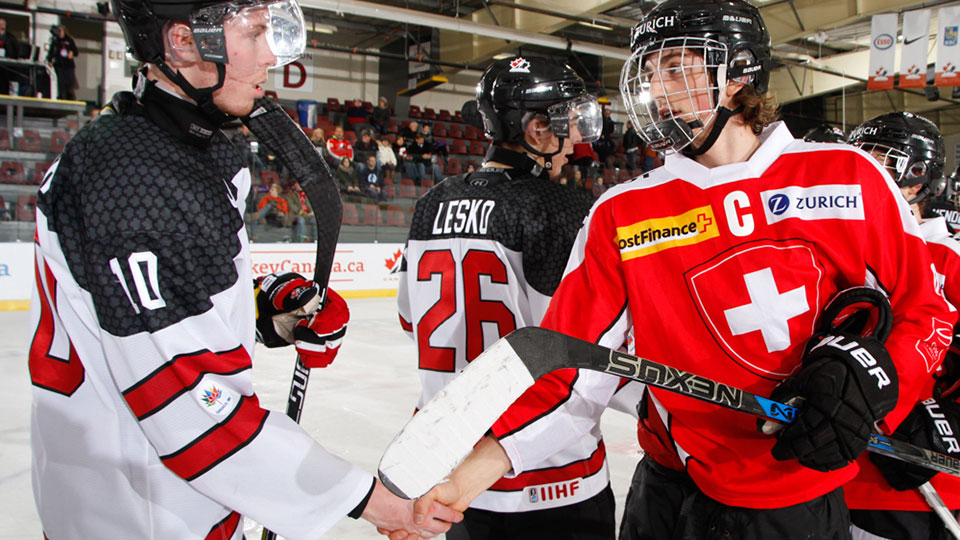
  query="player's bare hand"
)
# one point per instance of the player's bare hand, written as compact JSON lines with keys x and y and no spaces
{"x":395,"y":517}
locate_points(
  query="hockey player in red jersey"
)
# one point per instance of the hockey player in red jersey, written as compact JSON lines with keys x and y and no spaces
{"x":884,"y":500}
{"x":144,"y":420}
{"x":722,"y":261}
{"x":485,"y":252}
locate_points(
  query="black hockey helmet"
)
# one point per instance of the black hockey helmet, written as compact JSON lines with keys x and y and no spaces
{"x":511,"y":91}
{"x":909,"y":146}
{"x":142,"y":23}
{"x":731,"y":38}
{"x":825,"y":133}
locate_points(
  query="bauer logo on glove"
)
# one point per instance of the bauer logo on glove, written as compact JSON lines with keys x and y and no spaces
{"x":282,"y":300}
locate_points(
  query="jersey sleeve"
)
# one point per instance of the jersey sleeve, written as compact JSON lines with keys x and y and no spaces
{"x":169,"y":311}
{"x":900,"y":265}
{"x":568,"y":403}
{"x":404,"y":310}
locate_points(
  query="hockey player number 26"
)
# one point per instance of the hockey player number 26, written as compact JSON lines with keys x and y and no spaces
{"x":475,"y":265}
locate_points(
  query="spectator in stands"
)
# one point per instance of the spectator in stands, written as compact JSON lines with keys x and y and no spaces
{"x":632,"y":144}
{"x":248,"y":147}
{"x":364,"y":148}
{"x":471,"y":166}
{"x":301,"y":220}
{"x":371,"y":180}
{"x":583,"y":155}
{"x":410,"y":130}
{"x":598,"y":188}
{"x":651,"y":158}
{"x":272,"y":207}
{"x":61,"y":54}
{"x":319,"y":140}
{"x":578,"y":182}
{"x":400,"y":150}
{"x":347,"y":175}
{"x":356,"y":114}
{"x":421,"y":154}
{"x":381,"y":115}
{"x":338,"y":147}
{"x":9,"y":48}
{"x":386,"y":157}
{"x":606,"y":145}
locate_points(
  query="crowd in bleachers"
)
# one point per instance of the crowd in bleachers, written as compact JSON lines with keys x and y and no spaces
{"x":382,"y":161}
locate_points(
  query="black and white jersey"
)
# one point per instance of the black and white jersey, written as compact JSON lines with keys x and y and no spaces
{"x":145,"y":423}
{"x":485,"y":253}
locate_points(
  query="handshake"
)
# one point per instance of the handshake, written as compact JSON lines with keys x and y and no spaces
{"x":290,"y":312}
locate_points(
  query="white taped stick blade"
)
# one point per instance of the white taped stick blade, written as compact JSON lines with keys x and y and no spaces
{"x":441,"y":434}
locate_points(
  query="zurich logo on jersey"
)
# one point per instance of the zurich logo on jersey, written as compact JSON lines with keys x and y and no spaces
{"x":778,"y":204}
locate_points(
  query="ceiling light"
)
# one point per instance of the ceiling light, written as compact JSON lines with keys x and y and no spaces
{"x":597,"y":26}
{"x":324,"y":28}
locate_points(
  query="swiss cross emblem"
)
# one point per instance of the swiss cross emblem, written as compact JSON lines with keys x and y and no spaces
{"x":519,"y":65}
{"x":760,"y":301}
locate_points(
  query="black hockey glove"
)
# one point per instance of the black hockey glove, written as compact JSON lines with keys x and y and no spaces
{"x":282,"y":300}
{"x":933,"y":424}
{"x":847,"y":383}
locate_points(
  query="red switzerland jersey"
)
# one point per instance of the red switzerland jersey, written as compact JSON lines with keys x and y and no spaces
{"x":869,"y":490}
{"x":724,"y":272}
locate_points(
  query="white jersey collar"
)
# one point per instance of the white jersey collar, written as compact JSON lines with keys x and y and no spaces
{"x":773,"y":141}
{"x":934,"y":228}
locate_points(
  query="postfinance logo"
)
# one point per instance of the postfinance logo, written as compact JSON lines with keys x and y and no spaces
{"x":657,"y":234}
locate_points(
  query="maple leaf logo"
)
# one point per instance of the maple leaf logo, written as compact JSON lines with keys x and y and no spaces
{"x":393,"y":263}
{"x":519,"y":65}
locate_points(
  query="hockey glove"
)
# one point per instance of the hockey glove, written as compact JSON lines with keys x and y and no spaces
{"x":933,"y":424}
{"x":282,"y":300}
{"x":847,"y":384}
{"x":318,"y":337}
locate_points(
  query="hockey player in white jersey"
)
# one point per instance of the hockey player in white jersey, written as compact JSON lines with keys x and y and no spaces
{"x":485,"y":253}
{"x":144,"y":421}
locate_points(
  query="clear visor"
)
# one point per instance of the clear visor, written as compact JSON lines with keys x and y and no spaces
{"x":580,"y":119}
{"x":669,"y":92}
{"x":236,"y":26}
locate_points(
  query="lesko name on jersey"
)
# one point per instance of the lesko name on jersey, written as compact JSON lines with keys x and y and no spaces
{"x":834,"y":201}
{"x":657,"y":234}
{"x":463,"y":216}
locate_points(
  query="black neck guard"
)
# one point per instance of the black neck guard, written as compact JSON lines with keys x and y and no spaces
{"x":177,"y":116}
{"x":517,"y":160}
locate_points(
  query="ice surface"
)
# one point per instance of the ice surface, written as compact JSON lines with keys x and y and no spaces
{"x":354,"y":408}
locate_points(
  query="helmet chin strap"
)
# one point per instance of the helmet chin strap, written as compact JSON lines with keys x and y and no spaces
{"x":202,"y":96}
{"x":723,"y":115}
{"x":547,"y":158}
{"x":517,"y":160}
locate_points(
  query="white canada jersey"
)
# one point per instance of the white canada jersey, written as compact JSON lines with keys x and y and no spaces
{"x":145,"y":424}
{"x":484,"y":255}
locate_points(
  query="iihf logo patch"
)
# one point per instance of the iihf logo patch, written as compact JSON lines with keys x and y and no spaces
{"x":519,"y":65}
{"x":532,"y":492}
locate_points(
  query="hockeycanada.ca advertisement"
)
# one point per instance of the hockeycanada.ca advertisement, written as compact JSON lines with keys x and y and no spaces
{"x":359,"y":270}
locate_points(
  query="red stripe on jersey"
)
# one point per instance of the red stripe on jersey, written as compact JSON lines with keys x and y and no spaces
{"x":225,"y":529}
{"x":47,"y":370}
{"x":219,"y":442}
{"x":577,"y":469}
{"x":180,"y":374}
{"x":552,"y":390}
{"x":406,"y":325}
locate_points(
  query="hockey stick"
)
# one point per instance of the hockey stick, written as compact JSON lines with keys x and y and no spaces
{"x":272,"y":127}
{"x":936,"y":503}
{"x":441,"y":434}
